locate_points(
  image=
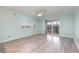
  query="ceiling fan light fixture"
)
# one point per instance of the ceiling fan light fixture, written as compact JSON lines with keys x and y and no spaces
{"x":40,"y":14}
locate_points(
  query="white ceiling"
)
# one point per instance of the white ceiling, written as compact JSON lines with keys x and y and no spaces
{"x":51,"y":10}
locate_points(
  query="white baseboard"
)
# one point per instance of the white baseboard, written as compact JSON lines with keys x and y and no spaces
{"x":65,"y":36}
{"x":76,"y":44}
{"x":17,"y":38}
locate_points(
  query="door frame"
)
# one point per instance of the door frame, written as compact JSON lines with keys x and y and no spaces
{"x":50,"y":21}
{"x":46,"y":26}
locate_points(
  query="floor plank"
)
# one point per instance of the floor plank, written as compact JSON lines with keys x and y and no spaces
{"x":41,"y":43}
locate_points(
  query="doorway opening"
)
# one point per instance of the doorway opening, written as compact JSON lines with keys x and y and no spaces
{"x":52,"y":27}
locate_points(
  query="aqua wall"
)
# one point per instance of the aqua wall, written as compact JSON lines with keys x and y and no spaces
{"x":76,"y":33}
{"x":11,"y":25}
{"x":67,"y":25}
{"x":39,"y":26}
{"x":77,"y":23}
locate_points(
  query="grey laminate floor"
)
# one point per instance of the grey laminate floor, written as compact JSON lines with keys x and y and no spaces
{"x":40,"y":44}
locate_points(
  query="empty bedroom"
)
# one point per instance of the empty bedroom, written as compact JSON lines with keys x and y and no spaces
{"x":39,"y":29}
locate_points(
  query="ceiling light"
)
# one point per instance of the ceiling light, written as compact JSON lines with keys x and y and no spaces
{"x":39,"y":14}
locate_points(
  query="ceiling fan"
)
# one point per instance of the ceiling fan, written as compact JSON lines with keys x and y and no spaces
{"x":40,"y":12}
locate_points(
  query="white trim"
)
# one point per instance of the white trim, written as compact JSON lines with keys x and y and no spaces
{"x":76,"y":44}
{"x":65,"y":36}
{"x":17,"y":38}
